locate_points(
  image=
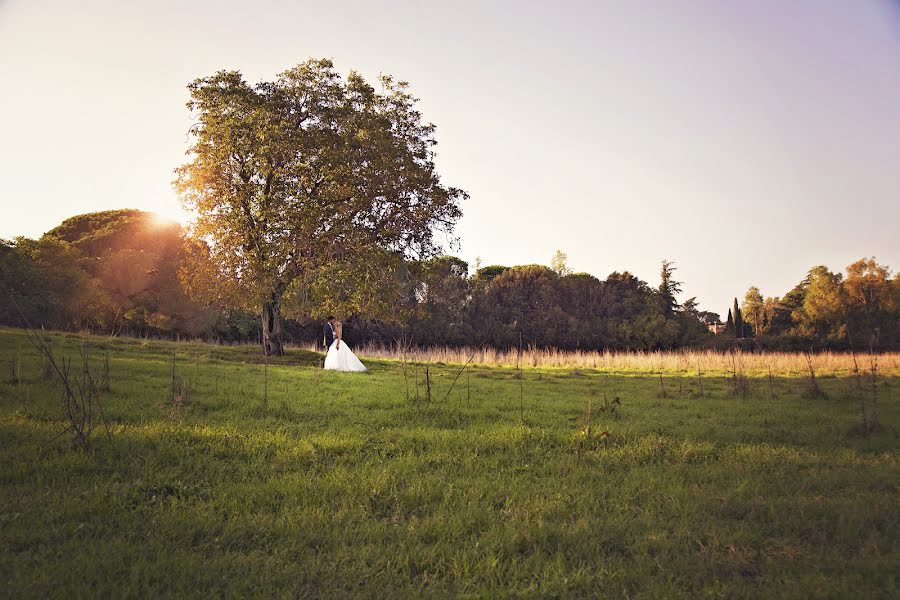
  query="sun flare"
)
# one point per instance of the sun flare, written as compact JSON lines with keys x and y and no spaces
{"x":168,"y":216}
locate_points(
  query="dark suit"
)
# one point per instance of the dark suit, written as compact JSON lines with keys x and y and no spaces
{"x":329,"y":335}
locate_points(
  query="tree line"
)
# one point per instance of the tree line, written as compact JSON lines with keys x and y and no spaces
{"x":859,"y":309}
{"x":124,"y":273}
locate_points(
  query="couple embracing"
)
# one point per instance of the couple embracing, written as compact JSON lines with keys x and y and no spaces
{"x":339,"y":356}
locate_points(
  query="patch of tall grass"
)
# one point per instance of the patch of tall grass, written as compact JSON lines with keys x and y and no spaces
{"x":829,"y":363}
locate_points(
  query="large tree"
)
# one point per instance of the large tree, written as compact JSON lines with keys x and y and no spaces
{"x":308,"y":174}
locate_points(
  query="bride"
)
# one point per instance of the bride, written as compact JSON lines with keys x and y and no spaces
{"x":340,"y":357}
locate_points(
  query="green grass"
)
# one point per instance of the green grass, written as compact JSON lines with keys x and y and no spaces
{"x":339,"y":486}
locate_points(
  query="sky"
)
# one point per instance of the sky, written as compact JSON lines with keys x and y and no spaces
{"x":747,"y":141}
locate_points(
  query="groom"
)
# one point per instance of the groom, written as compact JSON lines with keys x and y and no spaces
{"x":328,"y":332}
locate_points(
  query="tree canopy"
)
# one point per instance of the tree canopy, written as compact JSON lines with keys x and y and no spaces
{"x":300,"y":182}
{"x":113,"y":271}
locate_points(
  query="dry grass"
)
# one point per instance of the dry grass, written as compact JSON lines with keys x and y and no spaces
{"x":826,"y":363}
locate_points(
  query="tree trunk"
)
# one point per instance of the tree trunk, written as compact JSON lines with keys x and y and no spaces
{"x":271,"y":327}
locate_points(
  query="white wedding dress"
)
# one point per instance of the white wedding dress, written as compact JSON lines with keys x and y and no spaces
{"x":341,"y":358}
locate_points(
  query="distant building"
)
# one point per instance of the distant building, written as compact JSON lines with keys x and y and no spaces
{"x":716,"y":328}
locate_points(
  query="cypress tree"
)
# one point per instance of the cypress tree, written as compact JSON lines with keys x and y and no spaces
{"x":729,"y":324}
{"x":738,"y":321}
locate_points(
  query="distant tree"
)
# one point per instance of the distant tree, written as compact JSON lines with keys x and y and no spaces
{"x":625,"y":296}
{"x":485,"y":275}
{"x":668,"y":287}
{"x":98,"y":234}
{"x":307,"y":176}
{"x":633,"y":315}
{"x":752,"y":309}
{"x":770,"y":306}
{"x":693,"y":326}
{"x":690,"y":308}
{"x":785,"y":312}
{"x":710,"y":318}
{"x":442,"y":297}
{"x":865,"y":282}
{"x":729,"y":324}
{"x":873,"y":306}
{"x":822,"y":316}
{"x":48,"y":283}
{"x":580,"y":297}
{"x":523,"y":301}
{"x":738,"y":320}
{"x":133,"y":260}
{"x":559,"y":264}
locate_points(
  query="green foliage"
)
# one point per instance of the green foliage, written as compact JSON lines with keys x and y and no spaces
{"x":115,"y":271}
{"x":693,"y":323}
{"x":828,"y":310}
{"x":48,"y":282}
{"x":441,"y":299}
{"x":99,"y":233}
{"x":752,"y":310}
{"x":523,"y":301}
{"x":872,"y":301}
{"x":821,"y":311}
{"x":342,"y":488}
{"x":575,"y":311}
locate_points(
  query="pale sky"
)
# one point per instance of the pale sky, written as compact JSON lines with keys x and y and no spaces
{"x":745,"y":140}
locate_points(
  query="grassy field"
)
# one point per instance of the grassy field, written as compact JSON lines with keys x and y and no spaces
{"x":321,"y":484}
